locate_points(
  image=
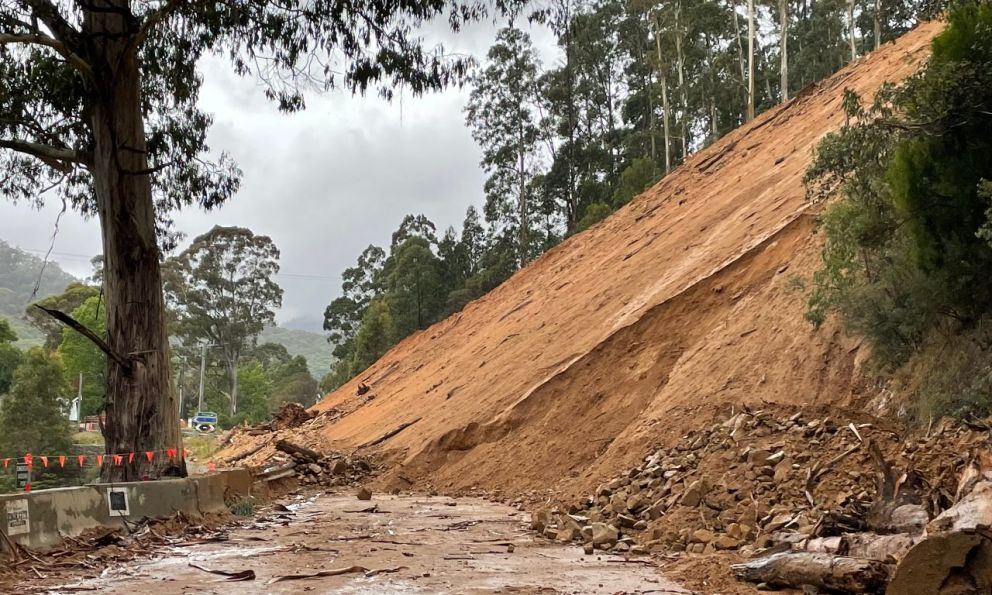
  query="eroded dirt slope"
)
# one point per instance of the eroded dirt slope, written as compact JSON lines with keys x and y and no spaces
{"x":686,"y":302}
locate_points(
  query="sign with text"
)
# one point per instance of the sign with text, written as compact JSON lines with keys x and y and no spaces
{"x":23,"y":473}
{"x":18,"y":517}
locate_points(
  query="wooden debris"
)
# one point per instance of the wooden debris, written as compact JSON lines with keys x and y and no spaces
{"x":390,"y":434}
{"x":337,"y":572}
{"x":241,"y":575}
{"x":956,"y":556}
{"x":299,"y":452}
{"x":822,"y":571}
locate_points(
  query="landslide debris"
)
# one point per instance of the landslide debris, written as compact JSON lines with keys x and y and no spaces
{"x":312,"y":468}
{"x":680,"y":305}
{"x":772,"y":481}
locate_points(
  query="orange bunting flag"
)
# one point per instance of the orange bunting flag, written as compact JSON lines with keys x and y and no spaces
{"x":118,"y":459}
{"x":211,"y":466}
{"x":99,"y":460}
{"x":130,"y":458}
{"x":61,"y":460}
{"x":149,"y":455}
{"x":82,"y":459}
{"x":171,"y":453}
{"x":5,"y":463}
{"x":27,"y":487}
{"x":44,"y":461}
{"x":28,"y":460}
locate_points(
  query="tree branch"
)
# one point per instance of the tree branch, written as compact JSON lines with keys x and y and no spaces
{"x":75,"y":325}
{"x":56,"y":23}
{"x":55,"y":157}
{"x":41,"y":39}
{"x":155,"y":17}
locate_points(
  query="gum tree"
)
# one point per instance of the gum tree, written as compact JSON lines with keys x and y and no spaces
{"x":98,"y":107}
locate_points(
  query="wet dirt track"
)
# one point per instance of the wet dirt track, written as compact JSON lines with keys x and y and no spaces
{"x":411,"y":544}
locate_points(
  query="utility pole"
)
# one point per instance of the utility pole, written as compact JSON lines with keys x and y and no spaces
{"x":203,"y":372}
{"x":182,"y":379}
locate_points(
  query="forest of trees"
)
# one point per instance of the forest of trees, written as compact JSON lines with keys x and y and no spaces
{"x":636,"y":88}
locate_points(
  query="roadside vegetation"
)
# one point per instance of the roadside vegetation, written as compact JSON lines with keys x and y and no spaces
{"x":908,"y":256}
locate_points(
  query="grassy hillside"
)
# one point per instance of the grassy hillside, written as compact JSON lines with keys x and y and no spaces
{"x":20,"y":273}
{"x":313,"y":346}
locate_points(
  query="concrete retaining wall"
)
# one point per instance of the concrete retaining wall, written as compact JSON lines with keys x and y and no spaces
{"x":40,"y":519}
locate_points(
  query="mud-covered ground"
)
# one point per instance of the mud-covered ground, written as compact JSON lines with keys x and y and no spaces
{"x":408,"y":544}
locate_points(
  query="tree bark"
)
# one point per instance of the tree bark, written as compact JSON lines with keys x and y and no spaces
{"x":783,"y":17}
{"x":664,"y":98}
{"x":850,"y":28}
{"x":737,"y":36}
{"x":750,"y":60}
{"x":878,"y":23}
{"x":141,"y":403}
{"x":823,"y":571}
{"x":683,"y":95}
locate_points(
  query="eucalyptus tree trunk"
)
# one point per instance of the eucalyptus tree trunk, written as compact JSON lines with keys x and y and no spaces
{"x":850,"y":28}
{"x":141,"y":405}
{"x":878,"y":23}
{"x":664,"y":98}
{"x":737,"y":36}
{"x":680,"y":61}
{"x":522,"y":182}
{"x":750,"y":60}
{"x":783,"y":17}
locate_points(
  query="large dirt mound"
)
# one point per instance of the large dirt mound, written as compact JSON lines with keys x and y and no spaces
{"x":685,"y":303}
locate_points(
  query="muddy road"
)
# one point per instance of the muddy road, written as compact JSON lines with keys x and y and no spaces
{"x":402,"y":544}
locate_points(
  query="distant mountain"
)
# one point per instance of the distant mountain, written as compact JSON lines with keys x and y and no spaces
{"x":311,"y":324}
{"x":313,"y":346}
{"x":20,"y":274}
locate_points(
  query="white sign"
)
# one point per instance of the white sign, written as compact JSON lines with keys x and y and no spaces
{"x":18,"y":517}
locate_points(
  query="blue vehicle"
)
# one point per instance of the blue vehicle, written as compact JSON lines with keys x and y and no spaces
{"x":204,"y":421}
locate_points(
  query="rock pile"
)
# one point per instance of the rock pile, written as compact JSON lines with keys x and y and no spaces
{"x":334,"y":470}
{"x":760,"y":480}
{"x":314,"y":468}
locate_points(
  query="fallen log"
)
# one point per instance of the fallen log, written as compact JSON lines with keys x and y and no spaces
{"x":389,"y":434}
{"x":872,"y":546}
{"x":956,"y":555}
{"x":244,"y":455}
{"x":270,"y":473}
{"x":297,"y":451}
{"x":823,"y":571}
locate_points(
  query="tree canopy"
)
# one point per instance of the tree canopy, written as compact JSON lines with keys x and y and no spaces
{"x":221,"y":291}
{"x":32,"y":418}
{"x":10,"y":356}
{"x":84,"y":360}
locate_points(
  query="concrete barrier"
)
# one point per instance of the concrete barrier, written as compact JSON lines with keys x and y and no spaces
{"x":41,"y":519}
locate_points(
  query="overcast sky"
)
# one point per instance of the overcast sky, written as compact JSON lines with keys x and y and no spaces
{"x":323,"y":184}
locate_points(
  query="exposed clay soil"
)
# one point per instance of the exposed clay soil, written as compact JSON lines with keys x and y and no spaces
{"x":681,"y":305}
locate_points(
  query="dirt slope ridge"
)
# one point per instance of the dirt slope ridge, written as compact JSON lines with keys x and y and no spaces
{"x":681,"y":304}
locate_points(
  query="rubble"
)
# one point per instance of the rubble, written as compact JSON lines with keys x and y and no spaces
{"x":312,"y":468}
{"x":290,"y":415}
{"x":787,"y":481}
